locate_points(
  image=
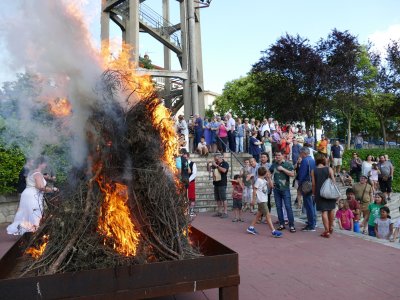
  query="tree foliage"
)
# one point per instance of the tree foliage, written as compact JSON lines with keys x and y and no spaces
{"x":292,"y":72}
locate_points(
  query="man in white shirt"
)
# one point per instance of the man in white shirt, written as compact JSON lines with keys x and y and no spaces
{"x":271,"y":124}
{"x":231,"y":135}
{"x":264,"y":127}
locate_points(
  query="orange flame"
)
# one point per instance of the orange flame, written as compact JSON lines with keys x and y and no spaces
{"x":115,"y":219}
{"x":164,"y":124}
{"x":36,"y":253}
{"x":144,"y":87}
{"x":60,"y":107}
{"x":121,"y":60}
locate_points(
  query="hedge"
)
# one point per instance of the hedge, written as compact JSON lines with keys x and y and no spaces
{"x":11,"y":162}
{"x":394,"y":156}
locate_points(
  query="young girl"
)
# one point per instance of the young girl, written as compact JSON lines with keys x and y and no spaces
{"x":384,"y":224}
{"x":202,"y":147}
{"x":237,"y":195}
{"x":345,"y":216}
{"x":373,"y":176}
{"x":373,"y":213}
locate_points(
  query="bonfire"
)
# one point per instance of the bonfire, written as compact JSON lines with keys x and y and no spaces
{"x":126,"y":206}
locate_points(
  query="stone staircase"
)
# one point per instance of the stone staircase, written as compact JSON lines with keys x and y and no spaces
{"x":205,"y":191}
{"x":204,"y":187}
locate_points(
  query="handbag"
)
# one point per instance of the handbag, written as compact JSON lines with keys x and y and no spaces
{"x":306,"y":186}
{"x":329,"y":190}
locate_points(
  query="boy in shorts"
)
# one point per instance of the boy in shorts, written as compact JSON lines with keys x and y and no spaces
{"x":247,"y":182}
{"x":260,"y":194}
{"x":237,"y":194}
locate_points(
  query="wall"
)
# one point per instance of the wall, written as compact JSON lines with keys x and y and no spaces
{"x":8,"y":207}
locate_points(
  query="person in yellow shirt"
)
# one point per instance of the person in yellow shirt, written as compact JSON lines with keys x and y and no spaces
{"x":322,"y":145}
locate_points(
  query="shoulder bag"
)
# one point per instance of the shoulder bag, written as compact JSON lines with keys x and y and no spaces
{"x":329,"y":190}
{"x":306,"y":186}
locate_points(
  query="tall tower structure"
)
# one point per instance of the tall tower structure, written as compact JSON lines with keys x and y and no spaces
{"x":180,"y":87}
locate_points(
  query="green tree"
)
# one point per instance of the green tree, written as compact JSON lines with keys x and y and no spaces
{"x":241,"y":97}
{"x":351,"y":74}
{"x":293,"y":79}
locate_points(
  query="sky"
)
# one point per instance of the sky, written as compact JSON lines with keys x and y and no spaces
{"x":235,"y":32}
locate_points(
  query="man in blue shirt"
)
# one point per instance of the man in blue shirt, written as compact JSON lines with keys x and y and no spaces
{"x":306,"y":166}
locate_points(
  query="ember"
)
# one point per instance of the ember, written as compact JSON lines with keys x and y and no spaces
{"x":36,"y":253}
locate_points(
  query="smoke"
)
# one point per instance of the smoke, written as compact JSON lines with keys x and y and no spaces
{"x":49,"y":39}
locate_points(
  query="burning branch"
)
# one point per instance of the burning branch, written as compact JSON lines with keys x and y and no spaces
{"x":132,"y":147}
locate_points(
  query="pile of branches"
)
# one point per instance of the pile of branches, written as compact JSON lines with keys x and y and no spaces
{"x":125,"y":147}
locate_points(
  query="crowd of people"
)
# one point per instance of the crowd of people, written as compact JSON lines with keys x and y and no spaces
{"x":285,"y":155}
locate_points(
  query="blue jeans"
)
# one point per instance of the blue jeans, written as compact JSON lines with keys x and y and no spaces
{"x":308,"y":203}
{"x":283,"y":197}
{"x":239,"y":144}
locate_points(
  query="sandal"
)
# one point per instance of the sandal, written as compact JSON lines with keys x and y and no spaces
{"x":325,"y":234}
{"x":281,"y":227}
{"x":292,"y":229}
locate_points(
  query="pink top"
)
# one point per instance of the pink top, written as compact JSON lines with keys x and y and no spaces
{"x":222,"y":131}
{"x":345,"y":217}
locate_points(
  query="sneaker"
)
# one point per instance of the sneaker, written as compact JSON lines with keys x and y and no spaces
{"x":292,"y":229}
{"x":235,"y":220}
{"x":218,"y":214}
{"x":192,"y":214}
{"x":241,"y":220}
{"x":276,"y":234}
{"x":307,"y":229}
{"x":252,"y":230}
{"x":224,"y":216}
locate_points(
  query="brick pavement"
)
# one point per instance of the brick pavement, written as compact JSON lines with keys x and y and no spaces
{"x":301,"y":265}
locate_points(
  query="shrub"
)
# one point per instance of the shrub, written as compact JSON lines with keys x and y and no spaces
{"x":11,"y":162}
{"x":394,"y":156}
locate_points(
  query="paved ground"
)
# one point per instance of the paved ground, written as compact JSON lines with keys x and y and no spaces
{"x":300,"y":265}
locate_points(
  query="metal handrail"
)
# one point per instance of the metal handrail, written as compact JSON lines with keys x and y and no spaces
{"x":151,"y":17}
{"x":232,"y":154}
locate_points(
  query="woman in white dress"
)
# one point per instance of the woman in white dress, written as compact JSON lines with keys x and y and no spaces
{"x":30,"y":208}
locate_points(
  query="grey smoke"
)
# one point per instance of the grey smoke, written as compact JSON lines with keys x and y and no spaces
{"x":41,"y":37}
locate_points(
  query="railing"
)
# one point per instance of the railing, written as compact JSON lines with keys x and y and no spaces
{"x":151,"y":17}
{"x":232,"y":154}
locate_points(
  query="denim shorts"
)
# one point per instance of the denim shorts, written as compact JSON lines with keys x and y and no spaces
{"x":237,"y":204}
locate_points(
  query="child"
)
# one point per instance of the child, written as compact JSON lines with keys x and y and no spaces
{"x":260,"y":193}
{"x":373,"y":176}
{"x":345,"y":178}
{"x":237,"y":195}
{"x":373,"y":213}
{"x":202,"y":147}
{"x":247,"y":182}
{"x":384,"y":224}
{"x":354,"y":206}
{"x":345,"y":216}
